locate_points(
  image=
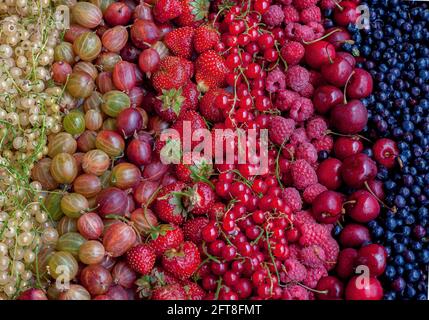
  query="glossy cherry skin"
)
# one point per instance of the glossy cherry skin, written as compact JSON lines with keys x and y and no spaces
{"x":348,"y":57}
{"x":333,"y":286}
{"x":346,"y":262}
{"x":338,"y":38}
{"x":354,"y":235}
{"x":358,"y":169}
{"x":366,"y":207}
{"x":326,"y":97}
{"x":357,"y":290}
{"x":376,"y":187}
{"x":360,"y":85}
{"x":319,"y":53}
{"x":347,"y":146}
{"x":373,"y":256}
{"x":346,"y":14}
{"x":327,"y":207}
{"x":349,"y":118}
{"x":385,"y":152}
{"x":337,"y":72}
{"x":329,"y":173}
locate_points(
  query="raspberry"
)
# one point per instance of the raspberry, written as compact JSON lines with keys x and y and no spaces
{"x":327,"y":4}
{"x":314,"y":233}
{"x":326,"y":143}
{"x":298,"y":136}
{"x":308,"y":91}
{"x":294,"y":250}
{"x":317,"y":28}
{"x":280,"y":129}
{"x":275,"y":81}
{"x":304,"y":33}
{"x":295,"y":292}
{"x":284,"y":99}
{"x":307,"y":152}
{"x":292,"y":52}
{"x":290,"y":14}
{"x":316,"y":128}
{"x":301,"y":110}
{"x":314,"y":275}
{"x":295,"y":271}
{"x":312,"y":256}
{"x":274,"y":16}
{"x":297,"y":78}
{"x":310,"y":193}
{"x":303,"y":218}
{"x":331,"y":249}
{"x":303,"y":4}
{"x":310,"y":14}
{"x":292,"y":198}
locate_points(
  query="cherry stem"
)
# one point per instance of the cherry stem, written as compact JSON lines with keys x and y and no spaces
{"x":345,"y":87}
{"x":312,"y":290}
{"x":394,"y":209}
{"x":348,"y":135}
{"x":321,"y":38}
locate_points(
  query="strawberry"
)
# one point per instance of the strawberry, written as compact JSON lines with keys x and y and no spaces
{"x":207,"y":107}
{"x":210,"y":71}
{"x":192,"y":229}
{"x":168,"y":204}
{"x":205,"y":38}
{"x":165,"y":237}
{"x":192,"y":118}
{"x":200,"y":170}
{"x":179,"y":41}
{"x":172,"y":74}
{"x":201,"y":199}
{"x":183,"y":261}
{"x":171,"y":102}
{"x":193,"y":290}
{"x":193,"y":12}
{"x":169,"y":292}
{"x":216,"y":211}
{"x":165,"y":10}
{"x":141,"y":258}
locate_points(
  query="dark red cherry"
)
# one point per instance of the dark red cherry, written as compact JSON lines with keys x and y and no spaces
{"x":349,"y":118}
{"x":337,"y":72}
{"x":326,"y":97}
{"x":358,"y":169}
{"x":360,"y":288}
{"x":347,"y":146}
{"x":348,"y":57}
{"x":376,"y":187}
{"x":354,"y":235}
{"x":385,"y":152}
{"x":338,"y":38}
{"x":345,"y":13}
{"x":346,"y":262}
{"x":373,"y":256}
{"x":329,"y":173}
{"x":327,"y":207}
{"x":360,"y":84}
{"x":362,"y":206}
{"x":319,"y":53}
{"x":331,"y":287}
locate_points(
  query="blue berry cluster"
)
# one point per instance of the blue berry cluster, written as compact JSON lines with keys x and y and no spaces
{"x":396,"y":53}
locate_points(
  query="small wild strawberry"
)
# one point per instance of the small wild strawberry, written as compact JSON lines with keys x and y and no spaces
{"x":141,"y":258}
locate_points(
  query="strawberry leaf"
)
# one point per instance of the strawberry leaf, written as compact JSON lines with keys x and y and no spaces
{"x":200,"y":9}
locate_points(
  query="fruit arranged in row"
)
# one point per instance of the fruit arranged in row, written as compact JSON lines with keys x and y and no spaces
{"x":395,"y":51}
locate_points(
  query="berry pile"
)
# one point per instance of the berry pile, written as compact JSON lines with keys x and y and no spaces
{"x":303,"y":225}
{"x":395,"y":51}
